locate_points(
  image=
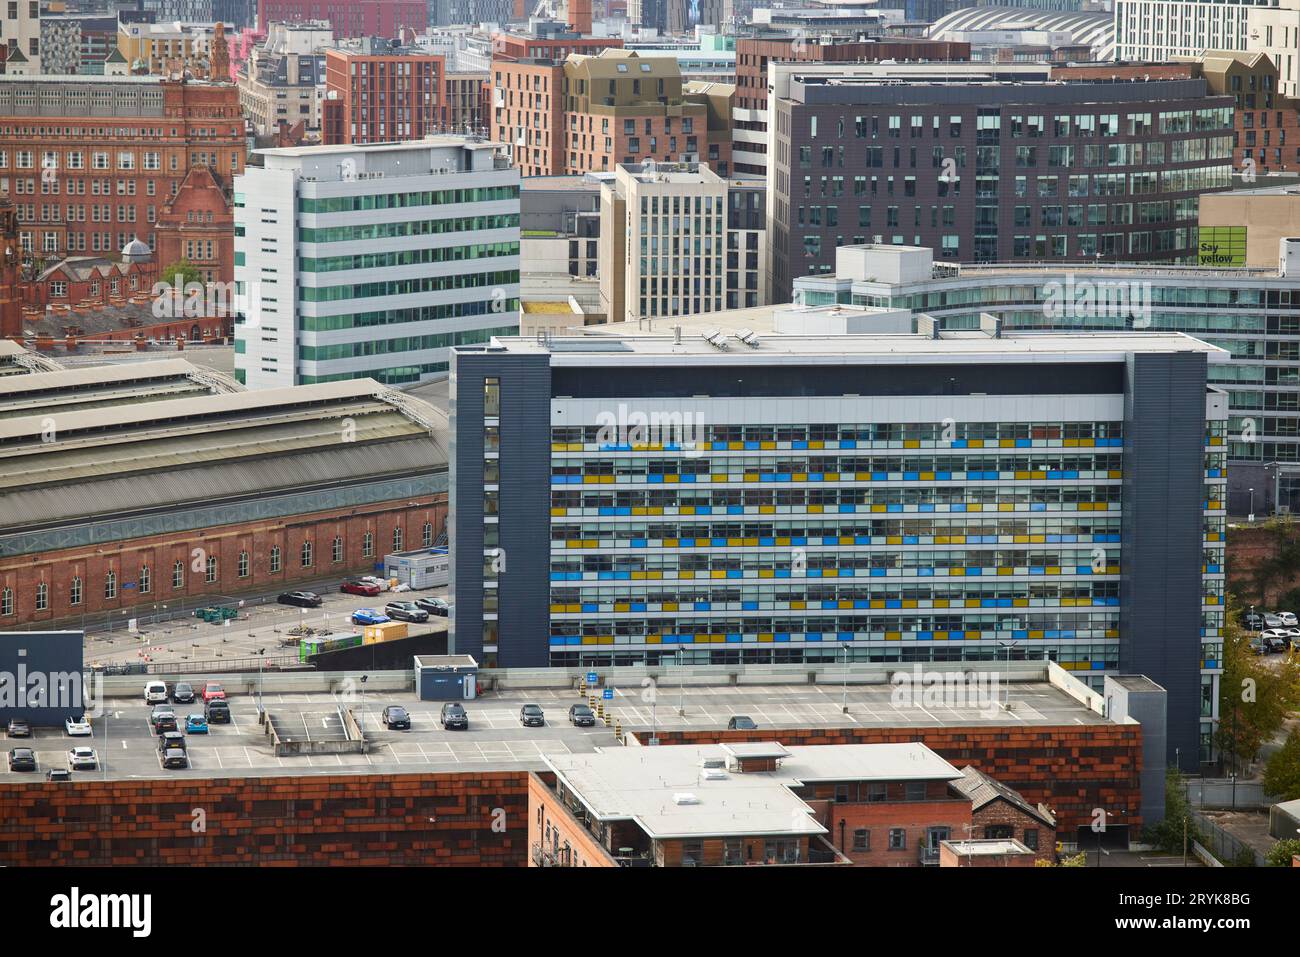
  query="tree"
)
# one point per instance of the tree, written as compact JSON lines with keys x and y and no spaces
{"x":1282,"y":773}
{"x":1169,"y":834}
{"x":1254,"y":697}
{"x":1281,"y":853}
{"x":183,"y":268}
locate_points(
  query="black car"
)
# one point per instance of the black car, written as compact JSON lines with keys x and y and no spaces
{"x":22,"y":759}
{"x":454,"y":716}
{"x":405,"y":611}
{"x":163,"y":720}
{"x":434,"y":606}
{"x":742,"y":722}
{"x":58,"y":774}
{"x":580,"y":716}
{"x":172,"y":751}
{"x":531,"y":716}
{"x":183,"y":692}
{"x":395,"y":718}
{"x":18,"y":728}
{"x":217,"y":711}
{"x":301,"y":599}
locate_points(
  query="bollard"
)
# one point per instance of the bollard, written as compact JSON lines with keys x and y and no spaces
{"x":591,"y":700}
{"x":618,"y":730}
{"x":608,"y":719}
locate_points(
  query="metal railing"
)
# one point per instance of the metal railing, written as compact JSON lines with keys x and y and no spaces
{"x":1226,"y":847}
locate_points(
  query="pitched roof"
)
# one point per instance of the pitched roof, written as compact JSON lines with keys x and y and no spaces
{"x":984,"y":790}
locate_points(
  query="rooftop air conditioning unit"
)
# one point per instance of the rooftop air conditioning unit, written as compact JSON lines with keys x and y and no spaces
{"x":685,"y":798}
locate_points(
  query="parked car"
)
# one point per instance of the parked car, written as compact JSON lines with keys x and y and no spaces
{"x":383,"y":584}
{"x":434,"y":606}
{"x":196,"y":724}
{"x":301,"y":599}
{"x":18,"y":728}
{"x":58,"y":774}
{"x":22,"y":759}
{"x":1272,"y":621}
{"x":217,"y":711}
{"x":1275,"y":640}
{"x":82,"y":759}
{"x":741,"y":722}
{"x":405,"y":611}
{"x":213,"y":690}
{"x":77,"y":727}
{"x":1287,"y":618}
{"x":531,"y":716}
{"x":172,"y":751}
{"x":155,"y":692}
{"x":162,"y":720}
{"x":1259,"y":646}
{"x":580,"y":716}
{"x":183,"y":692}
{"x":358,"y":587}
{"x":395,"y":718}
{"x":368,"y":616}
{"x":1253,"y":621}
{"x":454,"y":715}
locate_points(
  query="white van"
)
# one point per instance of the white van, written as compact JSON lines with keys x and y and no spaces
{"x":155,"y":692}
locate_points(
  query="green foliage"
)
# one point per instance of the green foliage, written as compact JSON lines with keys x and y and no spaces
{"x":1245,"y":858}
{"x":184,"y":268}
{"x":1281,"y":853}
{"x":1254,"y":696}
{"x":1282,"y":773}
{"x":1168,"y":834}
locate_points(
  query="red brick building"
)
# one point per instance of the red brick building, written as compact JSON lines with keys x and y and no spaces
{"x":999,"y":812}
{"x":381,"y":97}
{"x":358,"y":18}
{"x":97,"y":163}
{"x":198,"y":225}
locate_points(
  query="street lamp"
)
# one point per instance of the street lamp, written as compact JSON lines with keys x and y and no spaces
{"x":681,"y":685}
{"x":364,"y":679}
{"x":1006,"y":678}
{"x":1250,"y":517}
{"x":844,"y":699}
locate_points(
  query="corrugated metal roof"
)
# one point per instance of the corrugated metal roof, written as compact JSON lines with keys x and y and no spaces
{"x":95,"y":375}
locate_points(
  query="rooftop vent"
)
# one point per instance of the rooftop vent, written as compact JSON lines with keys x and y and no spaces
{"x":685,"y":798}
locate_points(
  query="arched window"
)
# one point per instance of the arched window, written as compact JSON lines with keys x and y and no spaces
{"x":305,"y":556}
{"x":178,"y":575}
{"x":110,"y":584}
{"x":275,"y":558}
{"x":6,"y":602}
{"x":146,"y":580}
{"x":397,"y":539}
{"x":74,"y":591}
{"x":336,"y":549}
{"x":211,"y":569}
{"x":426,"y":536}
{"x":42,"y":596}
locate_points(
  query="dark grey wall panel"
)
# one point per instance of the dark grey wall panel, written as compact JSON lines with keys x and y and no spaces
{"x":41,"y":679}
{"x":1160,"y":591}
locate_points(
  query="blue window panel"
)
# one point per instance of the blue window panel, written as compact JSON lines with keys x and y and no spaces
{"x":1083,"y":569}
{"x":1021,"y":635}
{"x":557,"y":640}
{"x":735,"y":573}
{"x":942,"y":476}
{"x":844,"y":635}
{"x":782,"y":573}
{"x":1054,"y":539}
{"x":767,"y":477}
{"x":734,"y":638}
{"x":622,"y":576}
{"x":848,"y":444}
{"x":783,"y":477}
{"x":799,"y":444}
{"x":1099,"y":666}
{"x":573,"y":639}
{"x":1068,"y":633}
{"x":988,"y":603}
{"x":893,"y":508}
{"x":1098,"y":602}
{"x":830,"y":540}
{"x":861,"y":603}
{"x":958,"y":443}
{"x":911,"y":476}
{"x":816,"y":477}
{"x":974,"y":572}
{"x":638,"y":606}
{"x":1211,"y":663}
{"x":1038,"y":506}
{"x":590,"y":606}
{"x":1005,"y":603}
{"x":1052,"y":634}
{"x":830,"y":604}
{"x":782,"y":636}
{"x":701,"y":606}
{"x":652,"y":479}
{"x":879,"y":476}
{"x":878,"y":572}
{"x":924,"y":636}
{"x":559,"y":479}
{"x":925,"y":572}
{"x":751,"y":446}
{"x":799,"y":540}
{"x":559,"y":576}
{"x":1072,"y":473}
{"x":718,"y":446}
{"x":957,"y":507}
{"x":672,"y":447}
{"x":767,"y":541}
{"x":605,"y":576}
{"x":911,"y":539}
{"x":1213,"y":569}
{"x":814,"y":573}
{"x":686,"y":478}
{"x":638,"y":543}
{"x":1099,"y":537}
{"x":1040,"y":570}
{"x":718,"y":542}
{"x":992,"y":475}
{"x":927,"y":507}
{"x":733,"y":510}
{"x":703,"y":509}
{"x":861,"y":539}
{"x":893,"y":603}
{"x":1112,"y":601}
{"x":1024,"y":443}
{"x":749,"y":606}
{"x":846,"y":509}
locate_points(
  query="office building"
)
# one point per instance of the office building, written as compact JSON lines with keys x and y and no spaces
{"x":808,"y":496}
{"x":989,"y":170}
{"x":77,"y":43}
{"x":358,"y":18}
{"x":378,"y":93}
{"x":22,"y":35}
{"x":91,"y":165}
{"x":670,"y":245}
{"x":372,"y":261}
{"x":1243,"y":309}
{"x":282,"y":80}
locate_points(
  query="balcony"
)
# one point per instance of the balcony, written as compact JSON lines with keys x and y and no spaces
{"x":929,"y":856}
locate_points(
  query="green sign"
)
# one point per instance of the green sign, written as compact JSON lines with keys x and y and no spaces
{"x":1222,"y":246}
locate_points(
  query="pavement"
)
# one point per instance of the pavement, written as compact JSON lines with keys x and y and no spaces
{"x":262,"y":624}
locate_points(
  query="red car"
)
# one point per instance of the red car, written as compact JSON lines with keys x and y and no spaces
{"x":360,"y":588}
{"x":213,"y":690}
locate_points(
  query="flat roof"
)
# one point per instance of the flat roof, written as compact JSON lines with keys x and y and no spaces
{"x":989,"y":847}
{"x":433,"y":140}
{"x":668,"y":793}
{"x":857,"y":349}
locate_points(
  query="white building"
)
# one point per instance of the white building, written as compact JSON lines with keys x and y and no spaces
{"x":373,"y":261}
{"x":22,"y":34}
